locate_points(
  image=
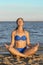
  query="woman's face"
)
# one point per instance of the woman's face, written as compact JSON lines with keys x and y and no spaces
{"x":20,"y":22}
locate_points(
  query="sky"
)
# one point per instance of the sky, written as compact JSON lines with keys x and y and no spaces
{"x":29,"y":10}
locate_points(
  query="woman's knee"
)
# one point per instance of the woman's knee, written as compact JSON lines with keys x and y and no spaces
{"x":35,"y":48}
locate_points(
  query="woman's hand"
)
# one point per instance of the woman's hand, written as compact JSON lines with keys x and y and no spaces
{"x":30,"y":45}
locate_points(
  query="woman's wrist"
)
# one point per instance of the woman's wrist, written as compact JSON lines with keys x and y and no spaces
{"x":30,"y":45}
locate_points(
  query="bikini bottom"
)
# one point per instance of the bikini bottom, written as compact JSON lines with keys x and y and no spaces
{"x":21,"y":49}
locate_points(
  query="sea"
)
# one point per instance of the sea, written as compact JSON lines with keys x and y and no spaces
{"x":35,"y":28}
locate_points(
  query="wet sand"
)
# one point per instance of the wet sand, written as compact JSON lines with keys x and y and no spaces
{"x":7,"y":59}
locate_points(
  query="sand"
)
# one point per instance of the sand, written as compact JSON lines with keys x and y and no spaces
{"x":8,"y":59}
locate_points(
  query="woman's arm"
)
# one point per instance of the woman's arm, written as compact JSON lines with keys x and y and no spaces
{"x":12,"y":39}
{"x":28,"y":39}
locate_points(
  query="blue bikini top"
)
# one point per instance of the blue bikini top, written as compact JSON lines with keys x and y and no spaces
{"x":17,"y":37}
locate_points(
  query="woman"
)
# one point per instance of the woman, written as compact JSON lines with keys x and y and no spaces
{"x":20,"y":38}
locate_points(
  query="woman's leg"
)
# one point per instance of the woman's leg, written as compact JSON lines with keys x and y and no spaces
{"x":14,"y":51}
{"x":31,"y":51}
{"x":26,"y":53}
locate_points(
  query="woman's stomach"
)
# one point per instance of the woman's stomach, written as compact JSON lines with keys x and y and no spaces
{"x":20,"y":44}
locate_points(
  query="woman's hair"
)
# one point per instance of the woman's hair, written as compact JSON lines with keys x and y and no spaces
{"x":17,"y":22}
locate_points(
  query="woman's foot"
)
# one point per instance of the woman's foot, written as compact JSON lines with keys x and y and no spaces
{"x":36,"y":47}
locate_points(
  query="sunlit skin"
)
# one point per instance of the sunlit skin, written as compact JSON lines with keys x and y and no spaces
{"x":21,"y":44}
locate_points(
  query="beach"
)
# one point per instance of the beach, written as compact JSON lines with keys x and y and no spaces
{"x":8,"y":59}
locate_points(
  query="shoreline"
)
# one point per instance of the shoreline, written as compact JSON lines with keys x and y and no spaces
{"x":3,"y":50}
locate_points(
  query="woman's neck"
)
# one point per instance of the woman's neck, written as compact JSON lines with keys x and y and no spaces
{"x":20,"y":29}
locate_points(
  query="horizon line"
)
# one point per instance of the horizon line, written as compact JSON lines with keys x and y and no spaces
{"x":15,"y":21}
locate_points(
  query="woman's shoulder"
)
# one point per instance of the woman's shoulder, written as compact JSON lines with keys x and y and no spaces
{"x":27,"y":32}
{"x":14,"y":31}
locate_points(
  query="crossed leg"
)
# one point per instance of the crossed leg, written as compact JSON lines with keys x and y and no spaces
{"x":31,"y":51}
{"x":13,"y":51}
{"x":26,"y":53}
